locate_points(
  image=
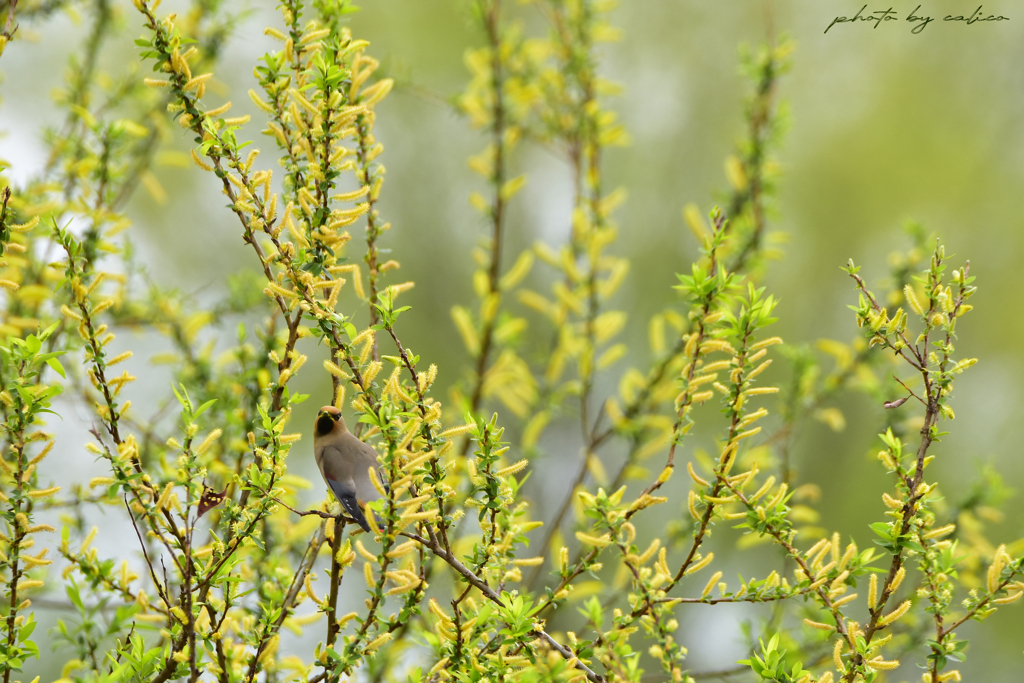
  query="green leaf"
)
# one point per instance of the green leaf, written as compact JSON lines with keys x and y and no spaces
{"x":71,"y":589}
{"x":202,"y":409}
{"x":882,"y":529}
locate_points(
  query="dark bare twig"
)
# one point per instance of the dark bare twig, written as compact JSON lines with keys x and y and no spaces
{"x":152,"y":572}
{"x":923,"y":402}
{"x":10,"y":28}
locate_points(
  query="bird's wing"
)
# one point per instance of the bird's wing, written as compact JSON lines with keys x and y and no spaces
{"x":335,"y":464}
{"x":365,"y":459}
{"x":346,"y":494}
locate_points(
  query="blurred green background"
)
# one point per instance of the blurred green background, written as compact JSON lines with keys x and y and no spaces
{"x":885,"y":126}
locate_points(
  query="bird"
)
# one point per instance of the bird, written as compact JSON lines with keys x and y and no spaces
{"x":345,"y":461}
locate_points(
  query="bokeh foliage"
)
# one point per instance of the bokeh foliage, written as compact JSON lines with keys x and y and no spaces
{"x":221,"y":561}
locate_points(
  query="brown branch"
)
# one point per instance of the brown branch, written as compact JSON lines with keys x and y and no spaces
{"x":490,"y":18}
{"x":336,"y":574}
{"x":9,"y":27}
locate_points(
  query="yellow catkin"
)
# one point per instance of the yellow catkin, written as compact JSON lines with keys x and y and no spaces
{"x":438,"y":667}
{"x":941,"y":531}
{"x":196,"y":81}
{"x":210,"y":439}
{"x":120,"y":358}
{"x":512,"y":469}
{"x":908,"y":292}
{"x":747,"y":434}
{"x":768,"y":484}
{"x":425,"y":516}
{"x":837,"y":654}
{"x":371,"y":371}
{"x":367,"y":555}
{"x":895,"y":614}
{"x":741,"y":480}
{"x":693,"y":475}
{"x":890,"y":502}
{"x":818,"y":625}
{"x":783,"y":488}
{"x":843,"y":601}
{"x":691,"y":504}
{"x":1009,"y":598}
{"x":596,"y":541}
{"x":456,"y":431}
{"x":368,"y":574}
{"x":759,"y":369}
{"x":649,"y":553}
{"x":219,"y":110}
{"x":375,"y":480}
{"x":996,"y":568}
{"x":882,"y":664}
{"x":258,"y":101}
{"x":309,"y":590}
{"x":335,"y":370}
{"x":898,"y":579}
{"x":162,"y":501}
{"x":711,"y":584}
{"x":766,"y":343}
{"x":402,"y":549}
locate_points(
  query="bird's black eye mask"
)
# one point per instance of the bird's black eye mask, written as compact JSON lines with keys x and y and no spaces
{"x":324,"y":424}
